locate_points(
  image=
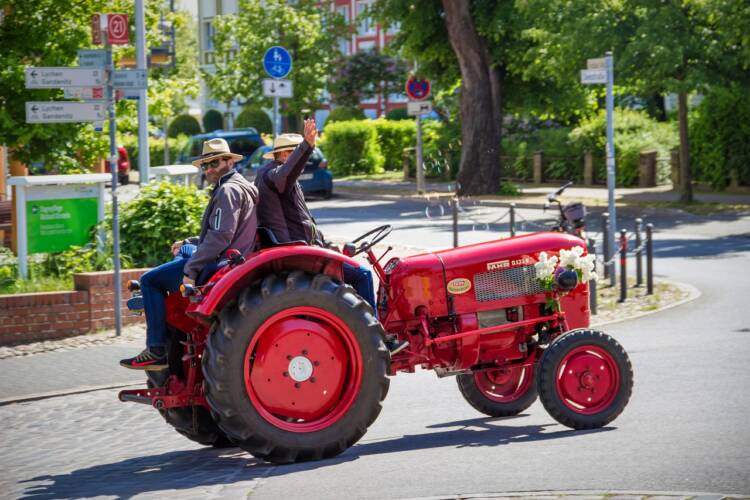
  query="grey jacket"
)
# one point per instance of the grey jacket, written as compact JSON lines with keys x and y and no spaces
{"x":282,"y":205}
{"x":229,"y":221}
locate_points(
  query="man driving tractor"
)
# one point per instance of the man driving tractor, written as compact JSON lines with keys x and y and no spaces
{"x":229,"y":221}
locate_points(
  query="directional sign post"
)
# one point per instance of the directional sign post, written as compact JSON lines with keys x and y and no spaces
{"x":278,"y":63}
{"x":92,"y":58}
{"x":134,"y":79}
{"x":64,"y":112}
{"x":600,"y":70}
{"x":418,"y":90}
{"x":56,"y":78}
{"x":277,"y":88}
{"x":84,"y":93}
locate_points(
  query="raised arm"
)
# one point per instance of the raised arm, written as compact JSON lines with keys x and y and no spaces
{"x":284,"y":176}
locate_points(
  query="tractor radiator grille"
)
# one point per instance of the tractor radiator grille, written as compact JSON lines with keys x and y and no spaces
{"x":506,"y":284}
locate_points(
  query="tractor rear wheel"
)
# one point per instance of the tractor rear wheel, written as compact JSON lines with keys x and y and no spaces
{"x":296,"y":369}
{"x":502,"y":392}
{"x":584,"y":379}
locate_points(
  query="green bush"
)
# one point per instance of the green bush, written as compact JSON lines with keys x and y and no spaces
{"x":352,"y":148}
{"x":156,"y":149}
{"x":393,"y":137}
{"x":719,"y":137}
{"x":441,"y":148}
{"x":562,"y":158}
{"x":255,"y":118}
{"x":212,"y":120}
{"x":184,"y":125}
{"x":398,"y":114}
{"x":160,"y":215}
{"x":345,"y":113}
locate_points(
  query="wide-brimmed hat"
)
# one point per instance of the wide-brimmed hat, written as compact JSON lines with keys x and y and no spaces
{"x":215,"y":148}
{"x":284,"y":142}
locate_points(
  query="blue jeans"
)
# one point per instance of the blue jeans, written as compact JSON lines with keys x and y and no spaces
{"x":154,"y":286}
{"x":361,"y":279}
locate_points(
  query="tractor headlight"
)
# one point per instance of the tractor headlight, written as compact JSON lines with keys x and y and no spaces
{"x":566,"y":280}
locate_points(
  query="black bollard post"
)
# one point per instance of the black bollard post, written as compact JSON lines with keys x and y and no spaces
{"x":454,"y":208}
{"x":623,"y":265}
{"x":512,"y":219}
{"x":605,"y":243}
{"x":592,"y":283}
{"x":638,"y":253}
{"x":649,"y":259}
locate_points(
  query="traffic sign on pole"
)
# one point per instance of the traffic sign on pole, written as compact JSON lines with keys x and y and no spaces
{"x":592,"y":76}
{"x":415,"y":108}
{"x":117,"y":29}
{"x":416,"y":89}
{"x":277,"y":88}
{"x":92,"y":58}
{"x":96,"y":29}
{"x":130,"y":79}
{"x":56,"y":78}
{"x":64,"y":112}
{"x":85,"y":93}
{"x":277,"y":62}
{"x":597,"y":63}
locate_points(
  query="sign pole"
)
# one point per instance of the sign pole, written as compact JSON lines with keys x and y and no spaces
{"x":611,"y":164}
{"x":275,"y":117}
{"x":420,"y":167}
{"x":140,"y":58}
{"x":113,"y":170}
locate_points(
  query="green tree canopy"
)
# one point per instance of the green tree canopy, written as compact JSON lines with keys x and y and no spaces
{"x":366,"y":74}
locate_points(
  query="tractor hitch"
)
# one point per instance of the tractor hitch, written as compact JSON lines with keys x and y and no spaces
{"x":160,"y":399}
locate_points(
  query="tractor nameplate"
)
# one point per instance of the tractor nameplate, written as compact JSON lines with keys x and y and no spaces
{"x":459,"y":285}
{"x":505,"y":284}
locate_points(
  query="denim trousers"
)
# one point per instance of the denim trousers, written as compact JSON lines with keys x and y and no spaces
{"x":361,"y":279}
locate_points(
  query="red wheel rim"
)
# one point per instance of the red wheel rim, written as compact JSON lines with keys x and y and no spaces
{"x":588,"y":380}
{"x":504,"y":385}
{"x":303,"y":369}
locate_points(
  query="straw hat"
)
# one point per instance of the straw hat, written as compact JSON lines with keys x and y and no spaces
{"x":284,"y":142}
{"x":215,"y":148}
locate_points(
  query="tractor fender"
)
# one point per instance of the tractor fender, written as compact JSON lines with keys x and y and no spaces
{"x":316,"y":260}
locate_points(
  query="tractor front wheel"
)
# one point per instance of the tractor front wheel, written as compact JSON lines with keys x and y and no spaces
{"x":296,"y":369}
{"x":584,"y":379}
{"x":502,"y":392}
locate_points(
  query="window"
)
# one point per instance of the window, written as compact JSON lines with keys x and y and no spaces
{"x":365,"y":25}
{"x":208,"y":35}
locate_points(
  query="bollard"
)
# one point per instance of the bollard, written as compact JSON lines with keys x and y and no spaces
{"x":623,"y":265}
{"x":454,"y":209}
{"x":592,"y":283}
{"x":638,"y":253}
{"x":605,"y":241}
{"x":649,"y":259}
{"x":512,"y":219}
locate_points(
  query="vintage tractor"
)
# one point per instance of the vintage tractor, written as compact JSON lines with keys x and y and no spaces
{"x":277,"y":355}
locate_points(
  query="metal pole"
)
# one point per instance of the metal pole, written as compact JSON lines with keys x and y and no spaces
{"x":113,"y":170}
{"x":454,"y":208}
{"x":611,"y":162}
{"x":420,"y":166}
{"x":275,"y":117}
{"x":605,"y":243}
{"x":512,"y":219}
{"x":592,"y":283}
{"x":623,"y":265}
{"x":638,"y":253}
{"x":649,"y":259}
{"x":144,"y":160}
{"x":22,"y":240}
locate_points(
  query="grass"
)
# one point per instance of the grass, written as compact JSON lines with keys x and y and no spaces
{"x":392,"y":175}
{"x":41,"y":284}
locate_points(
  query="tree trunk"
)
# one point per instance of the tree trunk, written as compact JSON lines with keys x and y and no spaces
{"x":686,"y":180}
{"x":481,"y":103}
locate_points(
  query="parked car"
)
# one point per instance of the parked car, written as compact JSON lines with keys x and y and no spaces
{"x":315,"y":179}
{"x":241,"y":141}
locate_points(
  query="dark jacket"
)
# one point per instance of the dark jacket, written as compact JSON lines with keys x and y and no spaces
{"x":282,"y":205}
{"x":229,"y":221}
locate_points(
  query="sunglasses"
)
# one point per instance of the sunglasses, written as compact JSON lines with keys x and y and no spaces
{"x":211,"y":164}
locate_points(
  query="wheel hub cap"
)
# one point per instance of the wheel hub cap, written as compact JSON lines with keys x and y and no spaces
{"x":300,"y":369}
{"x":588,"y":380}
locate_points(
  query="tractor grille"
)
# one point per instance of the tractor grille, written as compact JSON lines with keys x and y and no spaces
{"x":506,"y":284}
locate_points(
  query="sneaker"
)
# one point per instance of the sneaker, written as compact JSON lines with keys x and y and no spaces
{"x":146,"y":360}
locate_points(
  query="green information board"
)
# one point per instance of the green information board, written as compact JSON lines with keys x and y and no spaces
{"x":56,"y":225}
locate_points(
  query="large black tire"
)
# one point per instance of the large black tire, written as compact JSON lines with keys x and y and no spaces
{"x":584,"y":379}
{"x":499,"y":393}
{"x":271,"y":435}
{"x":193,"y":422}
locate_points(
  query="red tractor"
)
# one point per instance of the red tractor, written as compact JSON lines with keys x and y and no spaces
{"x":277,"y":355}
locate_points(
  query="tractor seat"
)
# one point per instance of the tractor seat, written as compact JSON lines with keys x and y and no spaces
{"x":266,"y":239}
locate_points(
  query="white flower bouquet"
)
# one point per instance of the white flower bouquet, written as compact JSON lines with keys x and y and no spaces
{"x":556,"y":273}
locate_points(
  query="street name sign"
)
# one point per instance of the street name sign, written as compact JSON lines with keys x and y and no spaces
{"x":277,"y":62}
{"x":92,"y":58}
{"x":415,"y":108}
{"x":598,"y":63}
{"x":85,"y":93}
{"x":132,"y":79}
{"x":65,"y":112}
{"x":55,"y":78}
{"x":277,"y":88}
{"x":592,"y":76}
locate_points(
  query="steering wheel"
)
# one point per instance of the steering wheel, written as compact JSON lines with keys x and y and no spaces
{"x":368,"y":240}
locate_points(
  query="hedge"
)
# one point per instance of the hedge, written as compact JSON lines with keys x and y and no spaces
{"x":254,"y":118}
{"x":352,"y":148}
{"x":212,"y":120}
{"x":398,"y":114}
{"x":156,"y":149}
{"x":345,"y":113}
{"x":184,"y":125}
{"x":393,"y":137}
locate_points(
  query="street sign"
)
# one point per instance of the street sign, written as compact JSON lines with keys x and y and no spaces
{"x":132,"y":79}
{"x":277,"y":88}
{"x":131,"y":94}
{"x":414,"y":108}
{"x":598,"y":63}
{"x":592,"y":76}
{"x":92,"y":58}
{"x":96,"y":29}
{"x":117,"y":29}
{"x":277,"y":62}
{"x":65,"y":112}
{"x":416,"y":89}
{"x":55,"y":78}
{"x":85,"y":93}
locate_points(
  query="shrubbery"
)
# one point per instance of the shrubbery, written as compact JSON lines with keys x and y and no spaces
{"x":212,"y":120}
{"x":184,"y":125}
{"x":156,"y":149}
{"x":398,"y":114}
{"x":720,"y":137}
{"x":345,"y":113}
{"x":352,"y":148}
{"x":393,"y":137}
{"x":255,"y":118}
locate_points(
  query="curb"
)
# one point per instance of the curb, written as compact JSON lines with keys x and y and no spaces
{"x":589,"y":494}
{"x":66,"y":392}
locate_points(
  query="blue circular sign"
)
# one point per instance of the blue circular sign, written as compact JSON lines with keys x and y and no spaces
{"x":277,"y":62}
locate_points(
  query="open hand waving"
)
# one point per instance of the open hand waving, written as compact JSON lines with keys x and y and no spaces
{"x":311,"y":132}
